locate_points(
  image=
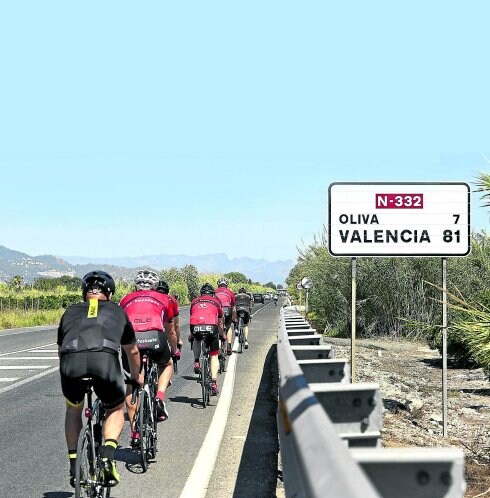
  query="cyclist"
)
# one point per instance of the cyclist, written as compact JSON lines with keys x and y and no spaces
{"x":89,"y":336}
{"x":227,"y":298}
{"x":174,"y":301}
{"x":206,"y":315}
{"x":275,"y":299}
{"x":151,"y":315}
{"x":244,"y":306}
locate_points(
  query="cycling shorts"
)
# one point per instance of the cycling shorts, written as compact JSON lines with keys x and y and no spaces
{"x":154,"y":343}
{"x":102,"y":366}
{"x":209,"y":333}
{"x":244,"y":313}
{"x":227,"y":315}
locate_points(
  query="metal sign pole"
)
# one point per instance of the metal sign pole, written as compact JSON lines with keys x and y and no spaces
{"x":444,"y":347}
{"x":306,"y":307}
{"x":353,"y":323}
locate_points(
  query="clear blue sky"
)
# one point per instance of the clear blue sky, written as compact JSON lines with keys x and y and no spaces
{"x":136,"y":128}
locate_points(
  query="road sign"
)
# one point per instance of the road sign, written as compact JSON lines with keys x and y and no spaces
{"x":399,"y":219}
{"x":305,"y":283}
{"x":299,"y":286}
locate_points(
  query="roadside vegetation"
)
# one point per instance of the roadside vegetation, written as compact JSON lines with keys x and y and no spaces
{"x":44,"y":301}
{"x":400,"y":298}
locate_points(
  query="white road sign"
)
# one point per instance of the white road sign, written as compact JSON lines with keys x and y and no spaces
{"x":399,"y":219}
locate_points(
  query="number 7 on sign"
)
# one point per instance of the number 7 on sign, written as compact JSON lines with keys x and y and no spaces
{"x":456,"y":218}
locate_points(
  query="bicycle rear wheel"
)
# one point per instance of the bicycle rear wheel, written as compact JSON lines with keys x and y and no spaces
{"x":204,"y":378}
{"x":143,"y":416}
{"x":241,"y":338}
{"x":85,"y":467}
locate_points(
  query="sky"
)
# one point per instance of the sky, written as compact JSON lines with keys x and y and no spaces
{"x":131,"y":129}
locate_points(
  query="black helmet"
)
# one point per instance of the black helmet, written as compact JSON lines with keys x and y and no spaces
{"x":207,"y":289}
{"x":162,"y":287}
{"x":101,"y":278}
{"x":242,"y":289}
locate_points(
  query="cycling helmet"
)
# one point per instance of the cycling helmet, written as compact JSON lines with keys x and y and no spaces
{"x":242,"y":289}
{"x":207,"y":289}
{"x":146,"y":280}
{"x":163,"y":287}
{"x":100,"y":279}
{"x":222,"y":282}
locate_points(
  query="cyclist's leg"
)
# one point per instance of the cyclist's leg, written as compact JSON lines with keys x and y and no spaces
{"x":74,"y":394}
{"x":130,"y":409}
{"x":246,"y":321}
{"x":196,"y":350}
{"x":212,"y":342}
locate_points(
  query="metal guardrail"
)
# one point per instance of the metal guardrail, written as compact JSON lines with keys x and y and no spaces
{"x":330,"y":430}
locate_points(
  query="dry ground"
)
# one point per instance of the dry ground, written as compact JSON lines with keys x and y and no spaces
{"x":410,"y":379}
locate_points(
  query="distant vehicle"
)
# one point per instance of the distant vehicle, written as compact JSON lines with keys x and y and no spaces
{"x":259,"y":298}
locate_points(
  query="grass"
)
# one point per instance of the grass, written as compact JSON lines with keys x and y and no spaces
{"x":18,"y":318}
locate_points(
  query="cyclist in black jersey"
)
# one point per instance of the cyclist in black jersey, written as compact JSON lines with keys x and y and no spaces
{"x":244,"y":307}
{"x":89,"y":337}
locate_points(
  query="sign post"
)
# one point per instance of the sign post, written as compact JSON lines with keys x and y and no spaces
{"x":400,"y":219}
{"x":306,"y":284}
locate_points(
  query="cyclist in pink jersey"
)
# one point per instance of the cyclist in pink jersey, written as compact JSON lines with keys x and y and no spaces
{"x":151,"y":314}
{"x":227,"y":298}
{"x":164,"y":289}
{"x":206,"y":323}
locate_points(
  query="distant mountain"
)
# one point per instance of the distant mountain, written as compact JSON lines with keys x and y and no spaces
{"x":259,"y":270}
{"x":31,"y":267}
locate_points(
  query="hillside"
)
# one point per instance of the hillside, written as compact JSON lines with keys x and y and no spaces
{"x":31,"y":267}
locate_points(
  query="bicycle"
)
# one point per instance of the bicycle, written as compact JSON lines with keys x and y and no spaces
{"x":241,"y":331}
{"x":88,"y":471}
{"x":205,"y":373}
{"x":145,"y":416}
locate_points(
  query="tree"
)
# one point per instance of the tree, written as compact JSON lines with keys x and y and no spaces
{"x":16,"y":282}
{"x":270,"y":284}
{"x":236,"y":277}
{"x":191,"y":278}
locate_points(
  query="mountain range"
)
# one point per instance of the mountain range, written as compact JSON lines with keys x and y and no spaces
{"x":31,"y":267}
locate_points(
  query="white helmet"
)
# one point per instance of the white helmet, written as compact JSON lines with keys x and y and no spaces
{"x":146,"y":280}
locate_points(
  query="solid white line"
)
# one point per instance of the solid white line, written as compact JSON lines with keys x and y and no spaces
{"x":30,"y":358}
{"x":29,"y":379}
{"x":37,"y":350}
{"x":8,"y":379}
{"x":23,"y":367}
{"x":198,"y":481}
{"x":27,"y":350}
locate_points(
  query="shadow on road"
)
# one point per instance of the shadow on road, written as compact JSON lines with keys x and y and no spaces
{"x":257,"y":474}
{"x":57,"y":494}
{"x":194,"y":402}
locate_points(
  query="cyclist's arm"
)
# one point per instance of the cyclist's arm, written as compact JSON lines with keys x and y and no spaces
{"x":171,"y":336}
{"x":133,"y":354}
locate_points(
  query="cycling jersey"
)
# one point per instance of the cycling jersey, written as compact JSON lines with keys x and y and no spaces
{"x":174,"y":303}
{"x":226,"y":296}
{"x":89,"y":336}
{"x":147,"y":310}
{"x":243,"y":300}
{"x":205,"y":310}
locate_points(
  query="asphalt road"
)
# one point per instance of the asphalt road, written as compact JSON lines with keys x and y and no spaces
{"x":33,"y":457}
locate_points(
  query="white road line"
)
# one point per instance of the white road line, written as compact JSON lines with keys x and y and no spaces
{"x":37,"y":328}
{"x":8,"y":379}
{"x":27,"y":350}
{"x":30,"y":358}
{"x":30,"y":379}
{"x":37,"y":350}
{"x":23,"y":367}
{"x":198,"y":481}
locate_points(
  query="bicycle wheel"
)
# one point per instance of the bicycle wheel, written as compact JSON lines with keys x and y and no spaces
{"x":204,"y":379}
{"x":143,"y":414}
{"x":241,"y":337}
{"x":153,"y":431}
{"x":85,"y":467}
{"x":208,"y":381}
